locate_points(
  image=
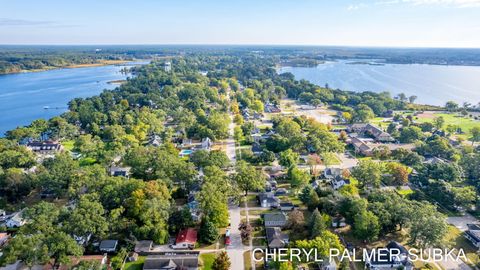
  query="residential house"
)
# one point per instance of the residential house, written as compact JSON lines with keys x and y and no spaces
{"x":268,"y":200}
{"x":82,"y":240}
{"x":172,"y":261}
{"x":257,"y":116}
{"x":15,"y":221}
{"x":356,"y":127}
{"x":361,"y":147}
{"x":45,"y":147}
{"x":339,"y":182}
{"x":435,"y":160}
{"x":287,"y":206}
{"x":268,"y":187}
{"x":378,"y":133}
{"x":473,"y":234}
{"x":3,"y":238}
{"x":275,"y":238}
{"x":257,"y":148}
{"x":331,"y":173}
{"x":316,"y":184}
{"x":155,"y":140}
{"x":273,"y":176}
{"x":277,"y":219}
{"x":194,"y":208}
{"x":256,"y":138}
{"x":108,"y":246}
{"x":272,"y":183}
{"x":119,"y":171}
{"x":3,"y":215}
{"x":186,"y":142}
{"x":281,"y":192}
{"x":272,"y":108}
{"x":388,"y":258}
{"x":339,"y":222}
{"x":143,"y":246}
{"x":186,"y":239}
{"x":268,"y":134}
{"x":206,"y":143}
{"x":368,"y":129}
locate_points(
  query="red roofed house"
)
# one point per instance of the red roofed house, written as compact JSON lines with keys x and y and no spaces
{"x":3,"y":238}
{"x":186,"y":239}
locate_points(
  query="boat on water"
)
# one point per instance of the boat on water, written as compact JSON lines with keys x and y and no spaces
{"x":46,"y":107}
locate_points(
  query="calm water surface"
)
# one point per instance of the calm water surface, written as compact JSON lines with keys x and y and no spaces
{"x":23,"y":96}
{"x":432,"y":84}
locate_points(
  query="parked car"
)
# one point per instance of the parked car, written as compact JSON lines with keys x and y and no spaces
{"x":228,"y":241}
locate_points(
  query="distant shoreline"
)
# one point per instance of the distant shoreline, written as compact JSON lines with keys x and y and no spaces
{"x":99,"y":64}
{"x":119,"y":82}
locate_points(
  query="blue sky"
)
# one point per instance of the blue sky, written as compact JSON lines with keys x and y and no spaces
{"x":399,"y":23}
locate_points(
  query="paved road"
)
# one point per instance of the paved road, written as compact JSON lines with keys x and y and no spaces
{"x":236,"y":249}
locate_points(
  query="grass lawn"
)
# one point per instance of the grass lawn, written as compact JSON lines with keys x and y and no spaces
{"x":138,"y":265}
{"x":87,"y":161}
{"x":380,"y":121}
{"x":220,"y":241}
{"x":251,"y":200}
{"x":405,"y":192}
{"x":259,"y":242}
{"x":68,"y":145}
{"x":455,"y":239}
{"x":247,"y":260}
{"x":465,"y":123}
{"x":330,"y":159}
{"x":207,"y":260}
{"x":258,"y":212}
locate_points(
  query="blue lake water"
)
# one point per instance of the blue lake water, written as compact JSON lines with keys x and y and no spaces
{"x":433,"y":84}
{"x":23,"y":96}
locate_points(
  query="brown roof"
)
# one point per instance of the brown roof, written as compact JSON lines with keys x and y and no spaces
{"x":187,"y":235}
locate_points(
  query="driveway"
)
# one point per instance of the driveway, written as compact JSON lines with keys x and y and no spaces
{"x":461,"y":221}
{"x":236,"y":249}
{"x":347,"y":161}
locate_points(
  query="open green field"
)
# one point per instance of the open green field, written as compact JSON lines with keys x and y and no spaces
{"x":465,"y":123}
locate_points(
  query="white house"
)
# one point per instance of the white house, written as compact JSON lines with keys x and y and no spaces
{"x":339,"y":182}
{"x":473,"y":234}
{"x":393,"y":256}
{"x":206,"y":143}
{"x":16,"y":221}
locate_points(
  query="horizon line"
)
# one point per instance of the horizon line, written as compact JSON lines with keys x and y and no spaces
{"x":240,"y":45}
